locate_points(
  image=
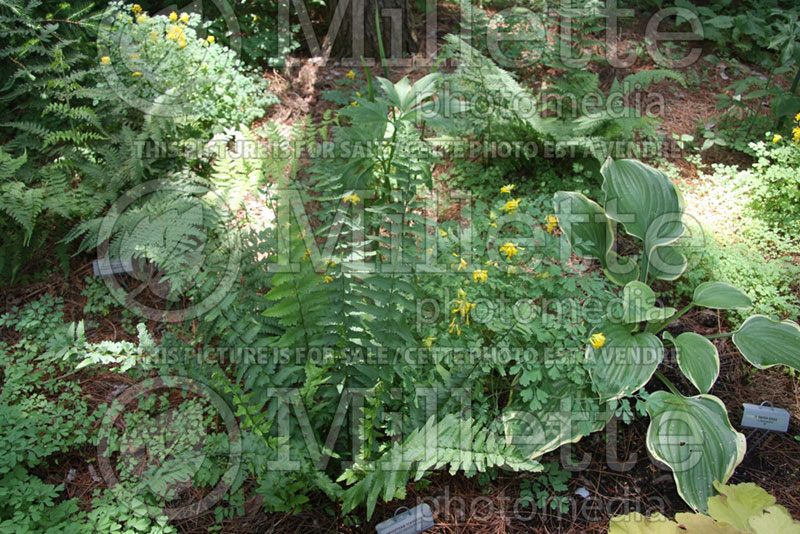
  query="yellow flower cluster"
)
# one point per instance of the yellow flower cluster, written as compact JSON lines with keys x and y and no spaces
{"x":175,"y":33}
{"x":137,"y":9}
{"x":597,"y":340}
{"x":105,"y":60}
{"x":479,"y":275}
{"x":552,"y":223}
{"x":462,"y":308}
{"x":511,"y":206}
{"x":350,"y":75}
{"x":352,"y":199}
{"x":510,"y":249}
{"x":507,"y":188}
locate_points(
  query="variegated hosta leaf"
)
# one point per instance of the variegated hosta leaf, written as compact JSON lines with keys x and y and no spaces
{"x":698,"y":359}
{"x":695,"y":439}
{"x":645,"y":201}
{"x":565,"y":417}
{"x":639,"y":304}
{"x":666,"y":263}
{"x":626,"y":361}
{"x":591,"y":235}
{"x":764,"y":342}
{"x":721,"y":296}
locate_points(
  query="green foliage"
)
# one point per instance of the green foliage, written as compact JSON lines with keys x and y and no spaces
{"x":625,"y":349}
{"x":775,"y":185}
{"x":738,"y":509}
{"x":542,"y":492}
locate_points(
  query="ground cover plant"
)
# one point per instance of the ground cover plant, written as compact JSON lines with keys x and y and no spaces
{"x":252,"y":286}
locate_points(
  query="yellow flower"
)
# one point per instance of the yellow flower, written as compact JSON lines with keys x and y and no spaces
{"x":552,"y":223}
{"x":511,"y":206}
{"x":255,"y":18}
{"x":173,"y":16}
{"x":134,"y":56}
{"x":598,"y":340}
{"x":461,"y":264}
{"x":137,"y":73}
{"x":352,"y":199}
{"x":796,"y":134}
{"x":307,"y":254}
{"x":175,"y":33}
{"x":776,"y":138}
{"x":105,"y":60}
{"x":479,"y":275}
{"x":210,"y":39}
{"x":462,"y":306}
{"x":184,"y":17}
{"x":140,"y":18}
{"x":428,"y":341}
{"x":509,"y":249}
{"x":492,"y":215}
{"x":136,"y":8}
{"x":442,"y":233}
{"x":797,"y":117}
{"x":350,"y":75}
{"x":354,"y":103}
{"x":454,"y":327}
{"x":358,"y":94}
{"x":507,"y":188}
{"x":327,"y":279}
{"x":182,"y":43}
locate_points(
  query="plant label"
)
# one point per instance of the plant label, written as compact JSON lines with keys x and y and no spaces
{"x":411,"y":521}
{"x":765,"y":417}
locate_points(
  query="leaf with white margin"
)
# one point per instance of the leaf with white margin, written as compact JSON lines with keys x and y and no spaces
{"x":698,"y":359}
{"x":695,"y":439}
{"x":639,"y":304}
{"x":625,"y":362}
{"x":720,"y":295}
{"x":565,"y":417}
{"x":667,"y":263}
{"x":591,"y":234}
{"x":644,"y":200}
{"x":764,"y":342}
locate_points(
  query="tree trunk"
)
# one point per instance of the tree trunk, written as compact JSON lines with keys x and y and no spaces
{"x":358,"y":36}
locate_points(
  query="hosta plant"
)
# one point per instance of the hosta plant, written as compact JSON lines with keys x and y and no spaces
{"x":738,"y":509}
{"x":691,"y":435}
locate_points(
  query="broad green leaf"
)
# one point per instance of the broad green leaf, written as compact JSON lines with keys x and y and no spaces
{"x":764,"y":342}
{"x":702,"y":524}
{"x":639,"y":304}
{"x":736,"y":504}
{"x":698,"y":360}
{"x":774,"y":520}
{"x":721,"y":296}
{"x":667,"y":263}
{"x":591,"y":234}
{"x":695,"y":439}
{"x":563,"y":418}
{"x":644,"y":200}
{"x":626,"y":361}
{"x":636,"y":523}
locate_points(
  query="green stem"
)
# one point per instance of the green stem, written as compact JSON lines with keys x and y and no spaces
{"x":667,"y":383}
{"x":717,"y":336}
{"x":658,"y":327}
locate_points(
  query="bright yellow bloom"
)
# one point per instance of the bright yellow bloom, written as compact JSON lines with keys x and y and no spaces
{"x":210,"y":39}
{"x":184,"y":17}
{"x":442,"y":233}
{"x":507,"y":188}
{"x":173,"y":16}
{"x":479,"y":275}
{"x":776,"y":138}
{"x":350,"y":75}
{"x":509,"y":249}
{"x":428,"y":341}
{"x":358,"y":94}
{"x":797,"y":117}
{"x":796,"y":134}
{"x":137,"y":73}
{"x":307,"y":254}
{"x":136,"y":8}
{"x":105,"y":60}
{"x":492,"y":216}
{"x":552,"y":223}
{"x":454,"y":327}
{"x":461,"y":264}
{"x":598,"y":340}
{"x":175,"y":33}
{"x":255,"y":18}
{"x":327,"y":279}
{"x":462,"y":306}
{"x":140,"y":18}
{"x":353,"y":103}
{"x":511,"y":206}
{"x":352,"y":199}
{"x":182,"y":43}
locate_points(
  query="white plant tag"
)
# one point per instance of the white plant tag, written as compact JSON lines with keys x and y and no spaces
{"x":411,"y":521}
{"x":765,"y":417}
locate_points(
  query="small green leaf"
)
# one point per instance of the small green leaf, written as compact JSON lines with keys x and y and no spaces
{"x":638,"y":304}
{"x":721,"y":296}
{"x":695,"y":439}
{"x":764,"y":342}
{"x":698,"y":360}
